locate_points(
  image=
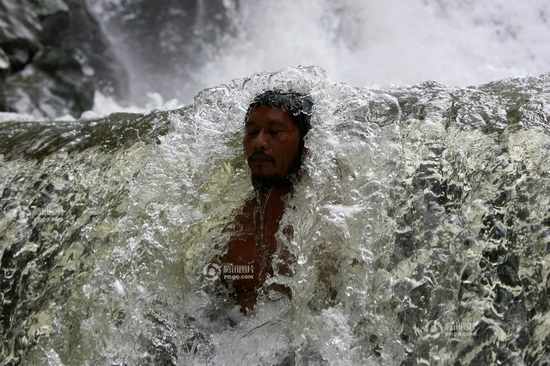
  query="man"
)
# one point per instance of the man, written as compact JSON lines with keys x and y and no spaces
{"x":275,"y":126}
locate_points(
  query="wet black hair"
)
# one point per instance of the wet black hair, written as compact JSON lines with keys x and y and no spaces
{"x":297,"y":105}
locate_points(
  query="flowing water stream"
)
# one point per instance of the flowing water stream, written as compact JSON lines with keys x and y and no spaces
{"x":421,"y":231}
{"x":203,"y":43}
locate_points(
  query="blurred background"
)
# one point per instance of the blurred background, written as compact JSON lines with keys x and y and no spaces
{"x":84,"y":58}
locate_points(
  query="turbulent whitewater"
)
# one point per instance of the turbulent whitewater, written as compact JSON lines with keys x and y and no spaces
{"x":421,"y":231}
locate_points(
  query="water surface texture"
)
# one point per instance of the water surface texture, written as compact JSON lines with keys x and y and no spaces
{"x":421,"y":231}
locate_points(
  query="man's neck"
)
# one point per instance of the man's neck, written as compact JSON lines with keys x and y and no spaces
{"x":276,"y":184}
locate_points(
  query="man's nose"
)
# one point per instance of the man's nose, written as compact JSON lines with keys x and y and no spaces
{"x":261,"y":140}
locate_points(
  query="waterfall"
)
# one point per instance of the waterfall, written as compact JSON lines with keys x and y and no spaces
{"x":421,"y":231}
{"x":181,"y":47}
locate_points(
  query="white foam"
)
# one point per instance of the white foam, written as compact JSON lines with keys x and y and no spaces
{"x":16,"y":117}
{"x":369,"y":43}
{"x":105,"y":105}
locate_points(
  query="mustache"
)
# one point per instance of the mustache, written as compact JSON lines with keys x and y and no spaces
{"x":258,"y":155}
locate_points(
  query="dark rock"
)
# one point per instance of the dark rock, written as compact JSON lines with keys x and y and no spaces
{"x":53,"y":57}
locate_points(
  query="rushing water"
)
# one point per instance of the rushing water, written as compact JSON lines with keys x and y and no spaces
{"x":421,"y":231}
{"x":361,"y":42}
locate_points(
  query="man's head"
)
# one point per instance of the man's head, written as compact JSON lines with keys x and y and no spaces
{"x":275,"y":126}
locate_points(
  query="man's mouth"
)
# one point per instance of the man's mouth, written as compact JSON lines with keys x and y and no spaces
{"x":260,"y":158}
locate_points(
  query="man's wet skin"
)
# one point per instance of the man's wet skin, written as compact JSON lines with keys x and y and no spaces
{"x":272,"y":148}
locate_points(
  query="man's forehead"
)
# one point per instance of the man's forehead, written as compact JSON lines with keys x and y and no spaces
{"x":269,"y":115}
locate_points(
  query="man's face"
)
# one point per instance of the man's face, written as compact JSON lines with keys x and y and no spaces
{"x":271,"y":142}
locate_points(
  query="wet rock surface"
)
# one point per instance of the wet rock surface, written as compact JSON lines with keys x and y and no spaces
{"x":53,"y":57}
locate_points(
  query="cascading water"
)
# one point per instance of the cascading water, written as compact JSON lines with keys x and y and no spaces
{"x":364,"y":43}
{"x":421,"y":227}
{"x":421,"y":231}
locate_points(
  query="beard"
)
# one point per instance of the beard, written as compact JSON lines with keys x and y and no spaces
{"x":265,"y":183}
